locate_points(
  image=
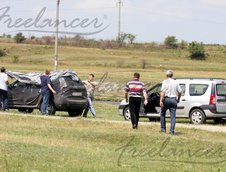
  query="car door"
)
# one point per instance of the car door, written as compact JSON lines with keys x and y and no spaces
{"x":221,"y":97}
{"x":181,"y":106}
{"x":16,"y":93}
{"x":32,"y":95}
{"x":153,"y":100}
{"x":195,"y":96}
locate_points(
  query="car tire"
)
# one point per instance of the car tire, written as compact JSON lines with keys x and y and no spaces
{"x":75,"y":113}
{"x":51,"y":109}
{"x":197,"y":116}
{"x":126,"y":114}
{"x":24,"y":110}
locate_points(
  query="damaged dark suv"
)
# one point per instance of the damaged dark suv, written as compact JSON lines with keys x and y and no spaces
{"x":25,"y":93}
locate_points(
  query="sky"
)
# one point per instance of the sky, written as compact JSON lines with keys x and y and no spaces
{"x":149,"y":20}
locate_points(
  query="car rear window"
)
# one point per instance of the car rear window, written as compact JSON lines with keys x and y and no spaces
{"x":198,"y":89}
{"x":221,"y":89}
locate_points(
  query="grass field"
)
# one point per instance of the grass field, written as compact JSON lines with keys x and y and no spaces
{"x":36,"y":143}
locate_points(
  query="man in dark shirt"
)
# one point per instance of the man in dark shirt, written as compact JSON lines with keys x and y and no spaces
{"x":45,"y":89}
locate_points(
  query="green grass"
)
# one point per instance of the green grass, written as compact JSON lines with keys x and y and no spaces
{"x":34,"y":143}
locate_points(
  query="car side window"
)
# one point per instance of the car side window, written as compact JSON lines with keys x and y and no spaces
{"x":183,"y":89}
{"x":19,"y":84}
{"x":155,"y":89}
{"x":63,"y":83}
{"x":198,"y":89}
{"x":69,"y":81}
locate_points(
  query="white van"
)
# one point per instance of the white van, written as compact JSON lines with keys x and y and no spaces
{"x":202,"y":98}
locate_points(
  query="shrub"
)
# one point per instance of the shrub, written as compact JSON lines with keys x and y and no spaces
{"x":183,"y":44}
{"x":19,"y":38}
{"x":143,"y":63}
{"x":171,"y":42}
{"x":15,"y":59}
{"x":2,"y":52}
{"x":197,"y":50}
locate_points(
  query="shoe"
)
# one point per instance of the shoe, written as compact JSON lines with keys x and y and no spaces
{"x":6,"y":110}
{"x":171,"y":133}
{"x":135,"y":127}
{"x":163,"y":131}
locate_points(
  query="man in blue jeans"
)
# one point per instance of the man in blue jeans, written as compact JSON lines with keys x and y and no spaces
{"x":4,"y":90}
{"x":45,"y":90}
{"x":169,"y":97}
{"x":90,"y":85}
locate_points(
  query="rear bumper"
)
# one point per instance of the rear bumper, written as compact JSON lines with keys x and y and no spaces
{"x":70,"y":104}
{"x":211,"y":112}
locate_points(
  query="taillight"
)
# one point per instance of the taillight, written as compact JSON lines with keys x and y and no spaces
{"x":213,"y":99}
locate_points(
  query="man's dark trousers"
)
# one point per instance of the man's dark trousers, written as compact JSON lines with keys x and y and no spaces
{"x":134,"y":108}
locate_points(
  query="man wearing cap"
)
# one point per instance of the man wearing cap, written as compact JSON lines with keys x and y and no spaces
{"x":169,"y":97}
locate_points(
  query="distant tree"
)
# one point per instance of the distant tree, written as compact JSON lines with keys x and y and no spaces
{"x":197,"y":50}
{"x":32,"y":37}
{"x":9,"y":36}
{"x":171,"y":42}
{"x":78,"y":37}
{"x":121,"y":39}
{"x":19,"y":38}
{"x":183,"y":44}
{"x":131,"y":38}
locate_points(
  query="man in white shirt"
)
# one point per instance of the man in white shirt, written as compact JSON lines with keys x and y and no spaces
{"x":90,"y":85}
{"x":169,"y":97}
{"x":4,"y":90}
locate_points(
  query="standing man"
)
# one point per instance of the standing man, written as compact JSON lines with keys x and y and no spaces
{"x":169,"y":97}
{"x":45,"y":89}
{"x":4,"y":89}
{"x":90,"y":85}
{"x":134,"y":90}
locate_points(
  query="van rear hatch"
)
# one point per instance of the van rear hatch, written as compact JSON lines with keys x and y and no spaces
{"x":221,"y":97}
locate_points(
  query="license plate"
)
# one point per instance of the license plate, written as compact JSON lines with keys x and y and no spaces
{"x":76,"y":94}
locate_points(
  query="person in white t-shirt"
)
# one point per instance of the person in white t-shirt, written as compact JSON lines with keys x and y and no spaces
{"x":169,"y":97}
{"x":4,"y":90}
{"x":90,"y":85}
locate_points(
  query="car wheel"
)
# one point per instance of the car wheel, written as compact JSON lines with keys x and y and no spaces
{"x":74,"y":113}
{"x":197,"y":116}
{"x":23,"y":110}
{"x":126,"y":114}
{"x":51,"y":109}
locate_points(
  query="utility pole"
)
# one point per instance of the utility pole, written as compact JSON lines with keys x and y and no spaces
{"x":120,"y":3}
{"x":56,"y":37}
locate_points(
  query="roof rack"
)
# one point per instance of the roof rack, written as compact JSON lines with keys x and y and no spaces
{"x":211,"y":79}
